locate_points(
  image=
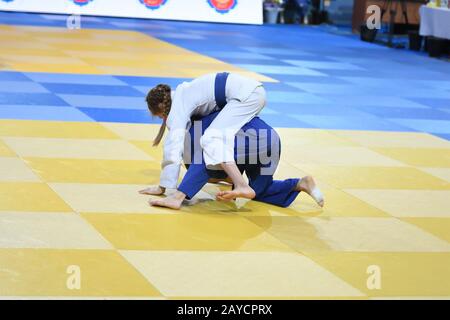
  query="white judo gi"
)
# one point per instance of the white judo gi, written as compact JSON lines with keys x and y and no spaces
{"x":245,"y":99}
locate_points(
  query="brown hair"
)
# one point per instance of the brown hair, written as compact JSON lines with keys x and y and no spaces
{"x":159,"y":102}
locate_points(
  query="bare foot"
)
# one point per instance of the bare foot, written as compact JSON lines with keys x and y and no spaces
{"x":168,"y":202}
{"x":221,"y":198}
{"x":241,"y":192}
{"x":308,"y":185}
{"x":172,"y":201}
{"x":153,"y":190}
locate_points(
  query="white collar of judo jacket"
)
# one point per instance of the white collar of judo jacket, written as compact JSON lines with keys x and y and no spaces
{"x":255,"y":149}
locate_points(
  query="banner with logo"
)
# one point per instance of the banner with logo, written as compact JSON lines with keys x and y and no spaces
{"x":228,"y":11}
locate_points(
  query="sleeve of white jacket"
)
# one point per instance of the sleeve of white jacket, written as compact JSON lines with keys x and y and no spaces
{"x":174,"y":145}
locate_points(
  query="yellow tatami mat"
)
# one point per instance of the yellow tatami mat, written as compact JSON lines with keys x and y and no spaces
{"x":69,"y":197}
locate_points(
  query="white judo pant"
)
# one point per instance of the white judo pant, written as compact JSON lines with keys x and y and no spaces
{"x":218,"y":140}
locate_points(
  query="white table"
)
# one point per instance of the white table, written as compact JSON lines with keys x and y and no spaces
{"x":435,"y":22}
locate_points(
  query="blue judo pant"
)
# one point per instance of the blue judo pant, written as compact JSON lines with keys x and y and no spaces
{"x":277,"y":192}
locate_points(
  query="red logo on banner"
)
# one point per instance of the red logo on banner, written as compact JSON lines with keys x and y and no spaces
{"x":223,"y":6}
{"x":81,"y":2}
{"x":153,"y":4}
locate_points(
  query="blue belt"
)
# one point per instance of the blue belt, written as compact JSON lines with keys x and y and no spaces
{"x":219,"y":89}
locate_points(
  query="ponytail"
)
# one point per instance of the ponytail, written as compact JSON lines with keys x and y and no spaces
{"x":160,"y":134}
{"x":159,"y":102}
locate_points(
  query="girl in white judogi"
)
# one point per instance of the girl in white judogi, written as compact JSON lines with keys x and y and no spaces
{"x":239,"y":99}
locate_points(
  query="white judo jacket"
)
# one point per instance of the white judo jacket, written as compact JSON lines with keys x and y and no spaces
{"x":195,"y":98}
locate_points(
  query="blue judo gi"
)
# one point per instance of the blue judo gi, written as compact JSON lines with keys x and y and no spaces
{"x":277,"y":192}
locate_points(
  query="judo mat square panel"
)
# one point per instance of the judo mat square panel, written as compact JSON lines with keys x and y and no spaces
{"x":78,"y":206}
{"x":75,"y":149}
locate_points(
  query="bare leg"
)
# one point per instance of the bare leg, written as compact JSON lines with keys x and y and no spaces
{"x":227,"y":180}
{"x":172,"y":201}
{"x":308,"y":185}
{"x":241,"y":188}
